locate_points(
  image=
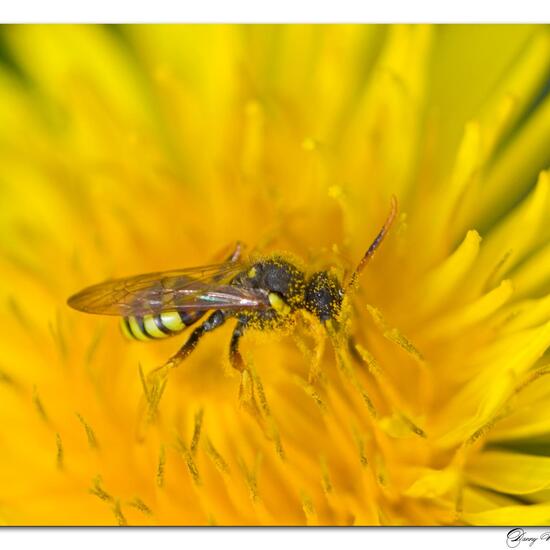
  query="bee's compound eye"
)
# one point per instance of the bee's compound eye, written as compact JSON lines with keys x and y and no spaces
{"x":278,"y":279}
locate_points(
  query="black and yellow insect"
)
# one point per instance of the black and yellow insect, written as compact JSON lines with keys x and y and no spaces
{"x":260,"y":294}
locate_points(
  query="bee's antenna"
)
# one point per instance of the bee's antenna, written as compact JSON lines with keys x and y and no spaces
{"x":375,"y":244}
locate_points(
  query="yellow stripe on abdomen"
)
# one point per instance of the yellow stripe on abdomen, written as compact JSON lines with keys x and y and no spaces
{"x":151,"y":324}
{"x":136,"y":330}
{"x":172,"y":321}
{"x":152,"y":327}
{"x":125,"y":328}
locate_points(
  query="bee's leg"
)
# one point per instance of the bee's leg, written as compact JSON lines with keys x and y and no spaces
{"x":246,"y":389}
{"x":214,"y":321}
{"x":156,"y":380}
{"x":235,"y":357}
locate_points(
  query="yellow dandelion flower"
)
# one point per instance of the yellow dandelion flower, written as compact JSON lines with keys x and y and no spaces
{"x":136,"y":149}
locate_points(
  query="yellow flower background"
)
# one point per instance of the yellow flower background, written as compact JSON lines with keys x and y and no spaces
{"x":142,"y":148}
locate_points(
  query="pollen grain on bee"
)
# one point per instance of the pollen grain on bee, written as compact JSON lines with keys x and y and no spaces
{"x":189,"y":460}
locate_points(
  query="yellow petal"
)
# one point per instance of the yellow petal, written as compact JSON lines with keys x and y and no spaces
{"x":489,"y":50}
{"x":512,"y":95}
{"x":53,"y":56}
{"x":532,"y":276}
{"x":524,"y":314}
{"x":504,"y":106}
{"x":527,"y":414}
{"x":508,"y":472}
{"x":533,"y":514}
{"x":475,"y":408}
{"x":473,"y":313}
{"x":515,"y":238}
{"x":434,"y":483}
{"x":525,"y":155}
{"x":443,"y":280}
{"x":399,"y":426}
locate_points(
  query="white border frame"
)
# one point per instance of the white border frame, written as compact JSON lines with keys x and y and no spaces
{"x":279,"y":11}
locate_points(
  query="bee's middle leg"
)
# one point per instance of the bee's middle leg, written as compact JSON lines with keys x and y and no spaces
{"x":214,"y":321}
{"x":235,"y":357}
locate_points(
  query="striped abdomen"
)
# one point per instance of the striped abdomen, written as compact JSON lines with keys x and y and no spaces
{"x":151,"y":327}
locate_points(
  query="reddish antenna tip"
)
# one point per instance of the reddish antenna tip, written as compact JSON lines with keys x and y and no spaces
{"x":375,"y":244}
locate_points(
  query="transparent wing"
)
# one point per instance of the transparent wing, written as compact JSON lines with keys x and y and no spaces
{"x":193,"y":289}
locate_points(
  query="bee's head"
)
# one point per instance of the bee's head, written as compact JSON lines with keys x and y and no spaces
{"x":279,"y":278}
{"x":324,"y":295}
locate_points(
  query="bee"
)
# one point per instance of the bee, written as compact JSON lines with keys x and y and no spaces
{"x":261,"y":294}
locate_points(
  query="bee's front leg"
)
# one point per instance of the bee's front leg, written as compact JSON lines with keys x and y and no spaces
{"x":246,"y":388}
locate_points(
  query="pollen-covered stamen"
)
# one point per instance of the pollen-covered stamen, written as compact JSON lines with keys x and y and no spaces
{"x":90,"y":435}
{"x":58,"y":334}
{"x":272,"y":428}
{"x":182,"y":448}
{"x":60,"y":455}
{"x":310,"y":338}
{"x":138,"y":504}
{"x":216,"y":457}
{"x":311,"y":392}
{"x":117,"y":510}
{"x":251,"y":476}
{"x":395,"y":336}
{"x":393,"y":399}
{"x":346,"y":368}
{"x":197,"y":431}
{"x":8,"y":379}
{"x":308,"y":508}
{"x":360,"y":442}
{"x":144,"y":384}
{"x":98,"y":490}
{"x":247,"y":397}
{"x":325,"y":476}
{"x":161,"y":466}
{"x":156,"y":389}
{"x":39,"y":405}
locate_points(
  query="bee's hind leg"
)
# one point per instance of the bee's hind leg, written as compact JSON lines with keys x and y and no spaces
{"x":156,"y":380}
{"x":214,"y":321}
